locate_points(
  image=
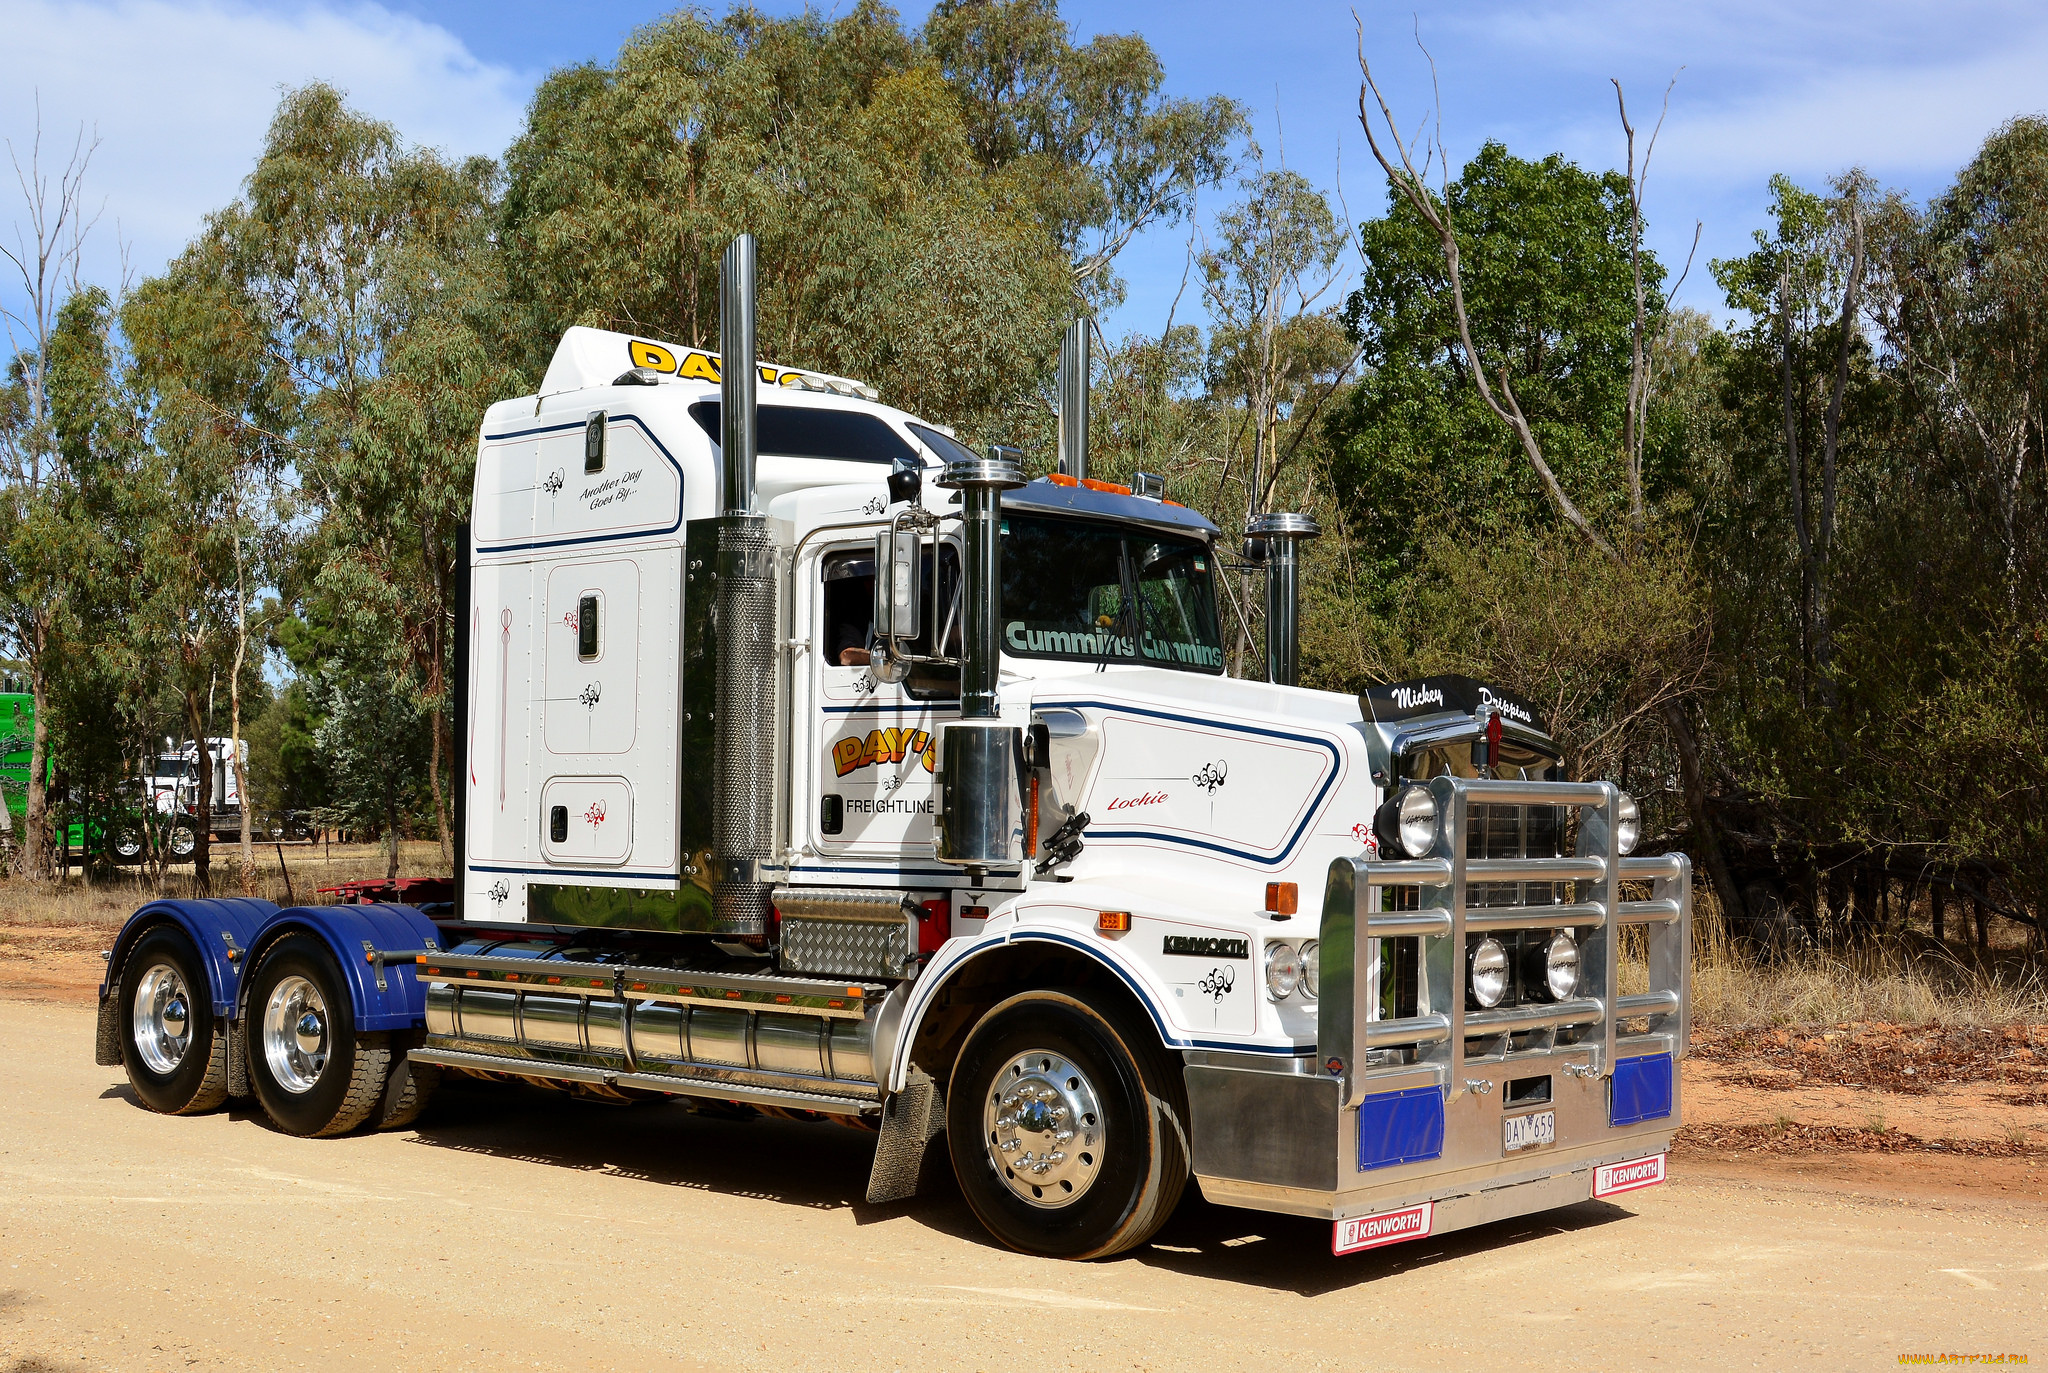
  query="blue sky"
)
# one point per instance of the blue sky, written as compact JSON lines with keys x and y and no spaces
{"x":179,"y":92}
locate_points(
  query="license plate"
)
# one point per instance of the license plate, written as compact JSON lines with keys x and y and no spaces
{"x":1526,"y":1132}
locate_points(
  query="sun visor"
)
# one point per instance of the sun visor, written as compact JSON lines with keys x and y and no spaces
{"x":599,"y":357}
{"x":1395,"y":702}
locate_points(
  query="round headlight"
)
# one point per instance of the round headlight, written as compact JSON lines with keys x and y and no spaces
{"x":1312,"y":968}
{"x":1561,"y":965}
{"x":1489,"y":972}
{"x":1418,"y":821}
{"x":1283,"y":970}
{"x":1628,"y":823}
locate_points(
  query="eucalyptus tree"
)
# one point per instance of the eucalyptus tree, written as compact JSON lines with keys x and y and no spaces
{"x":35,"y":484}
{"x":1079,"y":132}
{"x":360,"y":278}
{"x":1275,"y":349}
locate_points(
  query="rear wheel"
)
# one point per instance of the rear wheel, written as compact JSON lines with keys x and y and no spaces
{"x":1065,"y":1128}
{"x":171,"y":1044}
{"x":183,"y":841}
{"x":313,"y":1073}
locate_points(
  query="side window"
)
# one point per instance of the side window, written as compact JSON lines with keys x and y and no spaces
{"x":848,"y":600}
{"x":587,"y":640}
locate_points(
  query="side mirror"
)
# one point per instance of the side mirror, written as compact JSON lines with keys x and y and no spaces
{"x":905,"y":481}
{"x":898,"y":579}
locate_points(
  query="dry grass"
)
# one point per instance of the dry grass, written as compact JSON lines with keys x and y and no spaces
{"x":1915,"y":983}
{"x":111,"y":899}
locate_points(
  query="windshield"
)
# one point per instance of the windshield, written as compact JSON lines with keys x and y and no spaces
{"x":1101,"y":593}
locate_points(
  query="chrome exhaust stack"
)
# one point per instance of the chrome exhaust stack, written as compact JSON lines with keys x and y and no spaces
{"x":1280,"y":535}
{"x":743,"y":817}
{"x":1073,"y":397}
{"x":980,"y":820}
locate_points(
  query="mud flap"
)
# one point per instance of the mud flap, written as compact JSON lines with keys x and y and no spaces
{"x":237,"y":1032}
{"x":395,"y":1083}
{"x":106,"y":1051}
{"x":910,"y":1120}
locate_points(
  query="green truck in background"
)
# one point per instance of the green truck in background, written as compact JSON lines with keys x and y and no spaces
{"x":17,"y":742}
{"x":17,"y":737}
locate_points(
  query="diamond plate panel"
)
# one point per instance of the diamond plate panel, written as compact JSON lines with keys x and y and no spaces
{"x":845,"y":948}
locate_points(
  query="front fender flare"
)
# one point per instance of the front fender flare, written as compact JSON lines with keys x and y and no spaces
{"x":947,"y":966}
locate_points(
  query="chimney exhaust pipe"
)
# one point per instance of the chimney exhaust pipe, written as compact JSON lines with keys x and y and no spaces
{"x":981,"y":808}
{"x":744,"y":803}
{"x":736,"y":417}
{"x":1073,"y":387}
{"x":1282,"y":534}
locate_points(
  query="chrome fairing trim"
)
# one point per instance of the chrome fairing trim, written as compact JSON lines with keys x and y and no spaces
{"x":678,"y":1086}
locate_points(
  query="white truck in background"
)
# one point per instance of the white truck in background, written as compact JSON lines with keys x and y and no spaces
{"x":814,"y":763}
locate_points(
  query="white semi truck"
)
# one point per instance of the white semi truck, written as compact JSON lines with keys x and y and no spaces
{"x":817,"y":764}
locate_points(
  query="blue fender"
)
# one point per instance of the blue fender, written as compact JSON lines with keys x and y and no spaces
{"x":402,"y":1001}
{"x":220,"y":928}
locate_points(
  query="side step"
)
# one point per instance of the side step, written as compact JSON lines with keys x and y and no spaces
{"x":833,"y":998}
{"x":658,"y":1082}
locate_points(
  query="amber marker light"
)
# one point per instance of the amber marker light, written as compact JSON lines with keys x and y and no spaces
{"x":1113,"y":922}
{"x":1282,"y":898}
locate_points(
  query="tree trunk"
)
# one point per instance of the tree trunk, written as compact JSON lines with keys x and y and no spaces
{"x":1823,"y":614}
{"x":1706,"y":837}
{"x":35,"y":819}
{"x":235,"y":721}
{"x":202,"y":798}
{"x":1799,"y":526}
{"x":437,"y":683}
{"x":442,"y":820}
{"x":1937,"y":901}
{"x":391,"y":820}
{"x":1983,"y":927}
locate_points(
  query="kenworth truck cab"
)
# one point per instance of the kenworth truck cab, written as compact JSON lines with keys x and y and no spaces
{"x":814,"y":763}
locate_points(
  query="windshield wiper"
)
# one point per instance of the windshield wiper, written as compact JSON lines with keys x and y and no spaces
{"x":1126,"y":612}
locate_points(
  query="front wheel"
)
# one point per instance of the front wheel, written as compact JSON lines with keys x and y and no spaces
{"x":1065,"y":1128}
{"x":171,"y":1043}
{"x":312,"y":1072}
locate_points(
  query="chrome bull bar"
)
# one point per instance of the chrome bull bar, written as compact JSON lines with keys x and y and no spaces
{"x":1351,"y":1034}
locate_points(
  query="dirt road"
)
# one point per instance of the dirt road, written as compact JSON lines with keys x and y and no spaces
{"x":582,"y":1236}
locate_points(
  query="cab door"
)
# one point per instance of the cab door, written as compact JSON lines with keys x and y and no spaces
{"x":874,"y":745}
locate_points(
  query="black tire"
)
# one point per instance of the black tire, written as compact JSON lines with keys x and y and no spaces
{"x":318,"y":1077}
{"x":1117,"y":1192}
{"x":414,"y":1084}
{"x":177,"y":1074}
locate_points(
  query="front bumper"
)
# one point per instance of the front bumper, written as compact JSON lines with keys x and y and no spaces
{"x":1413,"y":1112}
{"x":1286,"y":1142}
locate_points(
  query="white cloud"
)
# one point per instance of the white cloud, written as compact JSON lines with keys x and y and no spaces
{"x":181,"y":93}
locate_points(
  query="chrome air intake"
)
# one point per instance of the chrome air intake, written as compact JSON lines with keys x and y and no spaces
{"x":1282,"y":533}
{"x":743,"y":816}
{"x":980,"y":818}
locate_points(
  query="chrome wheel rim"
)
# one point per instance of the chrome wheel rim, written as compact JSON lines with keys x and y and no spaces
{"x":295,"y":1034}
{"x":163,"y":1018}
{"x":183,"y":842}
{"x":1043,"y":1127}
